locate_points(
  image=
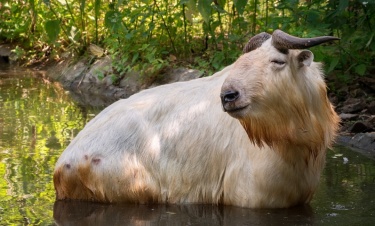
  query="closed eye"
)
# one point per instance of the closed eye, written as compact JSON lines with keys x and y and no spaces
{"x":278,"y":62}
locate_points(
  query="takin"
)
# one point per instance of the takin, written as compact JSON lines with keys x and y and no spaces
{"x":252,"y":135}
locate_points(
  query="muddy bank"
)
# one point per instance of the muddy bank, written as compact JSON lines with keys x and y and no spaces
{"x":91,"y":82}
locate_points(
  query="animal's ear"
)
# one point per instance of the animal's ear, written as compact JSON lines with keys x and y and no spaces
{"x":305,"y":58}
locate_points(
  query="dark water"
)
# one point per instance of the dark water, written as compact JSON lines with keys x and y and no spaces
{"x":38,"y":119}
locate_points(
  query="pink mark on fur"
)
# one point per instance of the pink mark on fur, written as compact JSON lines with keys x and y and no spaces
{"x":96,"y":161}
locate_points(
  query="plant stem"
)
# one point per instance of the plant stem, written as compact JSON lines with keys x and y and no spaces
{"x":166,"y":28}
{"x":255,"y":16}
{"x":185,"y":25}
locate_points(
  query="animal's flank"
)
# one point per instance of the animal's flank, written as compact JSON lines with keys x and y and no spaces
{"x":175,"y":144}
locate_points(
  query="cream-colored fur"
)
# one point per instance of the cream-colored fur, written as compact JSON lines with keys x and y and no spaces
{"x":175,"y":144}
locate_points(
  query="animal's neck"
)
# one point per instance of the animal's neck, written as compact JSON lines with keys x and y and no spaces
{"x":309,"y":134}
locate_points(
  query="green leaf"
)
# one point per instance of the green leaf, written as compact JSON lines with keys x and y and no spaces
{"x":135,"y":57}
{"x":204,"y":7}
{"x":190,"y":10}
{"x":333,"y":64}
{"x":82,"y":5}
{"x":240,"y":5}
{"x":360,"y":69}
{"x":97,"y":8}
{"x":112,"y":20}
{"x":222,"y":3}
{"x":52,"y":28}
{"x":218,"y":59}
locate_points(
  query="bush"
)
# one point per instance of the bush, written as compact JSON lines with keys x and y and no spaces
{"x":147,"y":35}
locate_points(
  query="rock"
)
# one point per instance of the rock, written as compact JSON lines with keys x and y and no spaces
{"x":371,"y":122}
{"x":94,"y":84}
{"x":5,"y":54}
{"x":364,"y":141}
{"x":5,"y":50}
{"x":177,"y":75}
{"x":364,"y":117}
{"x":358,"y":93}
{"x":343,"y":91}
{"x":345,"y":116}
{"x":371,"y":108}
{"x":100,"y":71}
{"x":368,"y":82}
{"x":131,"y":82}
{"x":353,"y":105}
{"x":364,"y":113}
{"x":360,"y":127}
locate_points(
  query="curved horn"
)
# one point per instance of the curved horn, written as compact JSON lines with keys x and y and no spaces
{"x":256,"y":41}
{"x":284,"y":41}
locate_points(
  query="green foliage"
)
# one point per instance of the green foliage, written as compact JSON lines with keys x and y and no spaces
{"x":18,"y":53}
{"x":146,"y":34}
{"x":204,"y":7}
{"x":240,"y":5}
{"x":52,"y":29}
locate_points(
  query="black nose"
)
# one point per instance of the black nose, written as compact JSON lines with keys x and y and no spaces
{"x":229,"y":96}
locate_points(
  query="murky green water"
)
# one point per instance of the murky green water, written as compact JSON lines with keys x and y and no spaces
{"x":38,"y":119}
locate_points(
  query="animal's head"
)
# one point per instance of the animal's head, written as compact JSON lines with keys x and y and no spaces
{"x":278,"y":93}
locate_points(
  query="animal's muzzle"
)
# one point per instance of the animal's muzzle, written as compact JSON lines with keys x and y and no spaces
{"x":228,"y":97}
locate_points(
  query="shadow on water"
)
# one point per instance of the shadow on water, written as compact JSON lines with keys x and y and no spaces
{"x":38,"y":119}
{"x":84,"y":213}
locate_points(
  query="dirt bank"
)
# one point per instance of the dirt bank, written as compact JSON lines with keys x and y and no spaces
{"x":355,"y":103}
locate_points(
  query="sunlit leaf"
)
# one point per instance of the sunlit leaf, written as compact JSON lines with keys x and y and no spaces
{"x":52,"y":28}
{"x":73,"y":34}
{"x":204,"y":7}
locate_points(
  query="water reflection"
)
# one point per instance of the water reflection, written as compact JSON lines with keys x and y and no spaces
{"x":38,"y":119}
{"x":83,"y":213}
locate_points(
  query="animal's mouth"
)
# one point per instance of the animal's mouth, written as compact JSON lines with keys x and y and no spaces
{"x":234,"y":109}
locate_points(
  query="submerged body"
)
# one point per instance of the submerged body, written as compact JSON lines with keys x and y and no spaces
{"x":175,"y":144}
